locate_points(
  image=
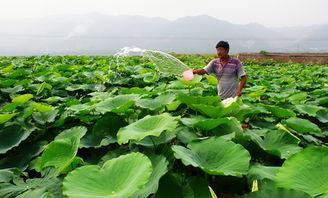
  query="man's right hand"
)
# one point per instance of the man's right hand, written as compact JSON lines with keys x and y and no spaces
{"x":199,"y":71}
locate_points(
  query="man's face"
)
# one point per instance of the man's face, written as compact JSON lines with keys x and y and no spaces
{"x":222,"y":52}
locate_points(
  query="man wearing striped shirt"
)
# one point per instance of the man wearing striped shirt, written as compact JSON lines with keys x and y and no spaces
{"x":229,"y":72}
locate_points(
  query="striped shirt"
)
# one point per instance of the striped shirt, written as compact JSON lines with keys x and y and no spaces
{"x":227,"y":74}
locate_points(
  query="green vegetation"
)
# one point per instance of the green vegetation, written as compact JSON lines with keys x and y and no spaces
{"x":79,"y":126}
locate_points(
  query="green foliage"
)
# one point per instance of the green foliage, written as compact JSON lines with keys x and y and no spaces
{"x":97,"y":126}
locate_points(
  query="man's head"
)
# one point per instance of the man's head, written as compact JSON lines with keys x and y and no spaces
{"x":222,"y":48}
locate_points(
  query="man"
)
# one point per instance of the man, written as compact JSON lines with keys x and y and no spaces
{"x":228,"y":71}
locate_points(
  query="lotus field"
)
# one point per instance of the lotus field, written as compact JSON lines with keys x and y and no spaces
{"x":93,"y":127}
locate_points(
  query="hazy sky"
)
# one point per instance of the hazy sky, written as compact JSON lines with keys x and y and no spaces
{"x":266,"y":12}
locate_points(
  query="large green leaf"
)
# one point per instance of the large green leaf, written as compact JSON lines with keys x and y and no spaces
{"x":22,"y":98}
{"x":204,"y":123}
{"x":41,"y":107}
{"x":298,"y":97}
{"x":159,"y":164}
{"x":149,"y":125}
{"x":212,"y":79}
{"x":9,"y":107}
{"x":173,"y":105}
{"x":45,"y":117}
{"x":322,"y":115}
{"x":75,"y":132}
{"x":137,"y":90}
{"x":280,"y":112}
{"x":226,"y":107}
{"x":61,"y":152}
{"x":256,"y":91}
{"x":211,"y":123}
{"x":119,"y":177}
{"x":303,"y":126}
{"x":211,"y":111}
{"x":277,"y":142}
{"x":258,"y":171}
{"x":190,"y":100}
{"x":306,"y":171}
{"x":104,"y":131}
{"x":11,"y":136}
{"x":165,"y":137}
{"x":247,"y":110}
{"x":80,"y":108}
{"x":156,"y":103}
{"x":117,"y":104}
{"x":6,"y":117}
{"x":310,"y":110}
{"x":215,"y":156}
{"x":186,"y":135}
{"x":323,"y":101}
{"x":191,"y":121}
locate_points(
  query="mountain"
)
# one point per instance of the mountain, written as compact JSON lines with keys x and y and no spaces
{"x":96,"y":33}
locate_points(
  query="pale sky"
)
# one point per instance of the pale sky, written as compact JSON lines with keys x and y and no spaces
{"x":266,"y":12}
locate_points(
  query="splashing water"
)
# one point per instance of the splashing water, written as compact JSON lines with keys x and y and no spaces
{"x":164,"y":62}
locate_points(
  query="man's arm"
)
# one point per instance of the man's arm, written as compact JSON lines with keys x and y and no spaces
{"x":199,"y":71}
{"x":208,"y":69}
{"x":241,"y":85}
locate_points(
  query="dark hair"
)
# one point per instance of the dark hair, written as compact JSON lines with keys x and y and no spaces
{"x":223,"y":44}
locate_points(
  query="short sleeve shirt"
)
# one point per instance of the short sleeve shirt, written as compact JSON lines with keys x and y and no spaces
{"x":228,"y":75}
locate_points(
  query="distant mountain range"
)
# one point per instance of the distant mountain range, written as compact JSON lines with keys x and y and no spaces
{"x":96,"y":33}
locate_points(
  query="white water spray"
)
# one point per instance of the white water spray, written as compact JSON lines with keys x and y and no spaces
{"x":164,"y":62}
